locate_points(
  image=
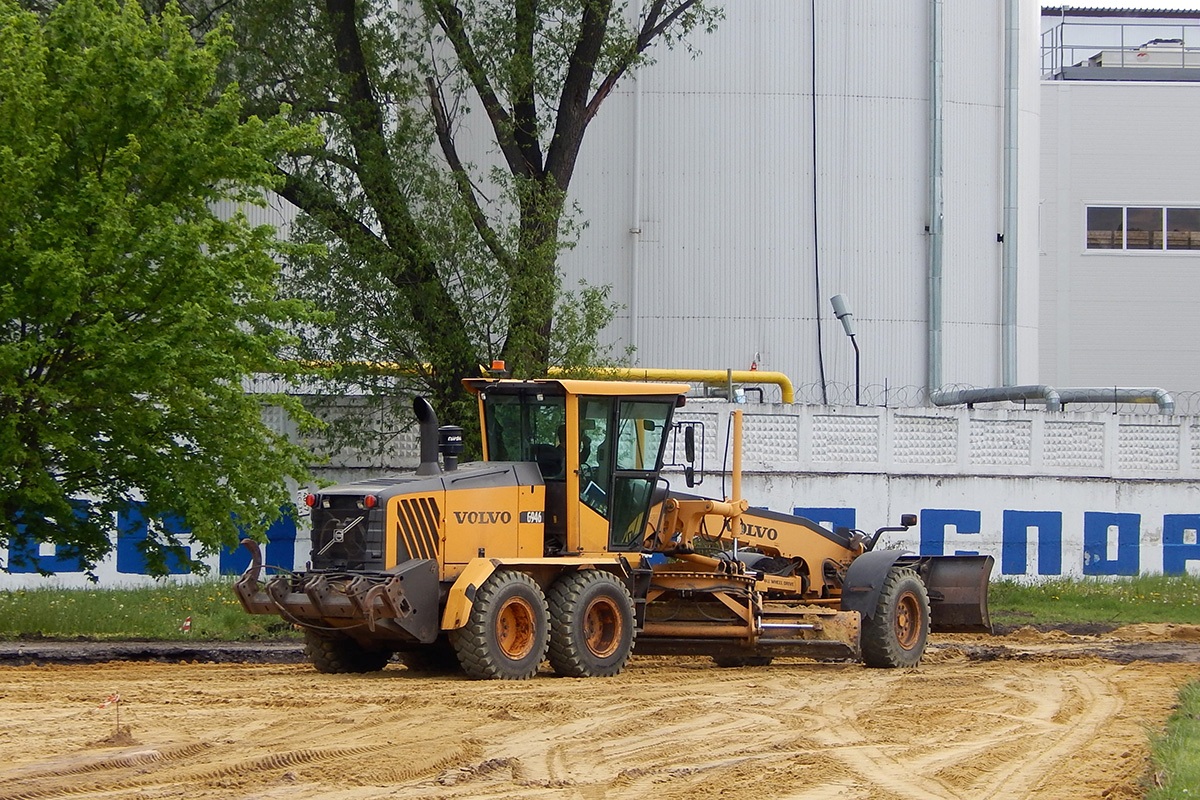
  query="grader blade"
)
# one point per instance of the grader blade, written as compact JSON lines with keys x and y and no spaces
{"x":958,"y":592}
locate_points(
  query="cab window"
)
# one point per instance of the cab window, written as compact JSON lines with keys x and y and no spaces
{"x":527,"y":427}
{"x":640,"y":436}
{"x":595,"y":452}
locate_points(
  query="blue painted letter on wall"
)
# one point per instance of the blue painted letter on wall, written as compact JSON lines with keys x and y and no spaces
{"x":1177,"y":550}
{"x":934,"y":522}
{"x":1014,"y":553}
{"x":279,"y":554}
{"x":832,"y":518}
{"x":132,"y":532}
{"x":1096,"y":526}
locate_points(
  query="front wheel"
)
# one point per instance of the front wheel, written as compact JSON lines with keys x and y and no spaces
{"x":335,"y":653}
{"x":592,"y":625}
{"x":438,"y":657}
{"x":507,"y":631}
{"x":895,"y":634}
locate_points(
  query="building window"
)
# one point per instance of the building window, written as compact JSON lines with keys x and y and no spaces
{"x":1143,"y":228}
{"x":1183,"y":228}
{"x":1106,"y":228}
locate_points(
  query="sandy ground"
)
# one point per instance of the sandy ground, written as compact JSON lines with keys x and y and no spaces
{"x":1028,"y":715}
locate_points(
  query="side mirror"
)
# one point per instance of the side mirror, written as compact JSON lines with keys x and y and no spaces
{"x":908,"y":520}
{"x":689,"y":444}
{"x":689,"y":475}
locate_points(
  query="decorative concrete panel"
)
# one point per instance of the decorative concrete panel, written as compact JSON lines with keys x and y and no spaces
{"x":771,"y":438}
{"x":275,"y":418}
{"x":408,"y":445}
{"x":1073,"y":444}
{"x":710,"y":439}
{"x":1195,"y":430}
{"x":1148,"y":447}
{"x":837,"y":437}
{"x":1001,"y":442}
{"x":925,"y":440}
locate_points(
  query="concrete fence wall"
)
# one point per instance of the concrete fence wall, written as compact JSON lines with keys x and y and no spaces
{"x":1075,"y":494}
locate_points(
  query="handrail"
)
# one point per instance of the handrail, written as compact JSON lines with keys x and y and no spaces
{"x":709,"y":376}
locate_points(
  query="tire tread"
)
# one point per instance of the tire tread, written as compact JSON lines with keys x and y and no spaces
{"x":471,"y":642}
{"x":567,"y":656}
{"x":334,"y":654}
{"x":880,"y":647}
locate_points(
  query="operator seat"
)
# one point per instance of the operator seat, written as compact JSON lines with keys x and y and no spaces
{"x":551,"y":460}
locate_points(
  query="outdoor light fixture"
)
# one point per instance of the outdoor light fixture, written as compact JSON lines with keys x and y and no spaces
{"x":841,"y":310}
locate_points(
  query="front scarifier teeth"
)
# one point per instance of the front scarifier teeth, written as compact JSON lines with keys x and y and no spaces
{"x":249,"y":591}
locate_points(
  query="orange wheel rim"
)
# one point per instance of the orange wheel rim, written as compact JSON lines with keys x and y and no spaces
{"x":908,"y":620}
{"x":514,"y":628}
{"x":603,"y":627}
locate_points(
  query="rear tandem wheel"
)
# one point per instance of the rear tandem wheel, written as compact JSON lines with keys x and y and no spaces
{"x":592,"y":624}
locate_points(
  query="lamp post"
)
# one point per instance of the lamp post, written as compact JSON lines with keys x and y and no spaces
{"x":841,"y":310}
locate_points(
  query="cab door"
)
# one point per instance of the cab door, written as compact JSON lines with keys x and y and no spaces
{"x":640,"y":438}
{"x":623,"y":441}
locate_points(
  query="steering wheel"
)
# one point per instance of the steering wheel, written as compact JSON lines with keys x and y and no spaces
{"x":587,"y":473}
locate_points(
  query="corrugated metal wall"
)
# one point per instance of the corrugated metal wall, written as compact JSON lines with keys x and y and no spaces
{"x":726,"y":236}
{"x":1119,"y":318}
{"x":278,"y":213}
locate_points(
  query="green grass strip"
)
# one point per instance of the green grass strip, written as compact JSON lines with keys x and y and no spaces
{"x":1109,"y":601}
{"x":157,"y":612}
{"x":151,"y":612}
{"x":1176,"y":754}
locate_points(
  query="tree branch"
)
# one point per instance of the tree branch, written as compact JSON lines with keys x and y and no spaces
{"x":365,"y":125}
{"x":523,"y":91}
{"x":572,"y":105}
{"x":652,"y":28}
{"x":320,"y":204}
{"x":463,"y":181}
{"x":451,"y":21}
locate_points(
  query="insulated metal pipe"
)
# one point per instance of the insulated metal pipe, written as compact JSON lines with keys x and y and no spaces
{"x":1120,"y":394}
{"x":936,"y":200}
{"x":635,"y":226}
{"x":997,"y":394}
{"x":711,"y":376}
{"x":1008,"y":268}
{"x":1056,"y":398}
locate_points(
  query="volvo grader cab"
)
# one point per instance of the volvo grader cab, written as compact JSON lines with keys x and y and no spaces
{"x":568,"y":544}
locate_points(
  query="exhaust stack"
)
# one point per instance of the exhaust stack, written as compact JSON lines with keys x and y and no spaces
{"x":427,"y":418}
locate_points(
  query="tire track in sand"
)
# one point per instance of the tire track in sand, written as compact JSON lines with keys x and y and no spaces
{"x":1004,"y":739}
{"x":672,"y":729}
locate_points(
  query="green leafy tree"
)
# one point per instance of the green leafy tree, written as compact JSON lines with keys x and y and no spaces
{"x":443,"y":229}
{"x":130,"y":313}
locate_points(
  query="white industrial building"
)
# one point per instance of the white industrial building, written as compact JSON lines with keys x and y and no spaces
{"x":1120,"y":218}
{"x":935,"y":163}
{"x":886,"y":150}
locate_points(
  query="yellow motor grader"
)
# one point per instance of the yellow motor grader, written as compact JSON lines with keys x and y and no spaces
{"x":567,"y":543}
